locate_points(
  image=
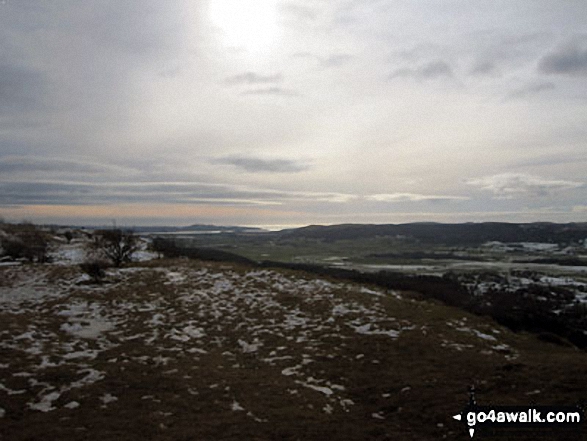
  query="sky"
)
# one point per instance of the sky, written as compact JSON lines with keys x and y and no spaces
{"x":292,"y":112}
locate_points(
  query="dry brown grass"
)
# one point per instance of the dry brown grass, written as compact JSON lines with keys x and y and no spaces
{"x":172,"y":390}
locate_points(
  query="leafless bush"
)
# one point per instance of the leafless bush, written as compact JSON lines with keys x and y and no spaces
{"x":116,"y":245}
{"x":26,"y":241}
{"x":95,"y":268}
{"x":68,"y":236}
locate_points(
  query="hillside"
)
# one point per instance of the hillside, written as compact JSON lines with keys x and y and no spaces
{"x":450,"y":234}
{"x":186,"y":350}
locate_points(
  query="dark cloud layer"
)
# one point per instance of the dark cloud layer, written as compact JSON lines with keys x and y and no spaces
{"x":253,"y":78}
{"x":255,"y":165}
{"x":21,"y":89}
{"x":32,"y":165}
{"x":327,"y":61}
{"x":483,"y":68}
{"x":431,"y":70}
{"x":274,"y":90}
{"x":570,"y":59}
{"x":531,"y":89}
{"x":24,"y":192}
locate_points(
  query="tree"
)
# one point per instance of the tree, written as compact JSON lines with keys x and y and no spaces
{"x":116,"y":245}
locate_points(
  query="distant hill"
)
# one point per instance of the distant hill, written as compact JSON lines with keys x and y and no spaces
{"x":198,"y":228}
{"x":457,"y":234}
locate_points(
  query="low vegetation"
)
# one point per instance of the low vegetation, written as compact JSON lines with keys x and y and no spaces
{"x":116,"y":245}
{"x":95,"y":269}
{"x":537,"y":308}
{"x":25,"y":241}
{"x":220,"y":346}
{"x":187,"y":350}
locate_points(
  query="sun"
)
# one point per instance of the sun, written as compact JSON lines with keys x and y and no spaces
{"x":251,"y":24}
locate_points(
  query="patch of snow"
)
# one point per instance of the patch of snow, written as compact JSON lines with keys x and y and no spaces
{"x":174,"y":278}
{"x":236,"y":407}
{"x":291,"y":370}
{"x":537,"y":246}
{"x":144,"y":256}
{"x":92,"y":328}
{"x":371,"y":292}
{"x":366,"y":330}
{"x":248,"y":348}
{"x":72,"y":405}
{"x":108,"y":398}
{"x":45,"y":404}
{"x":69,"y":254}
{"x":11,"y":391}
{"x":325,"y":390}
{"x":346,"y":403}
{"x":91,"y":377}
{"x":477,"y":333}
{"x":89,"y":353}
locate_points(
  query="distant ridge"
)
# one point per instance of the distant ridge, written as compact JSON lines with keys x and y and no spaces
{"x":457,"y":234}
{"x":163,"y":228}
{"x":198,"y":228}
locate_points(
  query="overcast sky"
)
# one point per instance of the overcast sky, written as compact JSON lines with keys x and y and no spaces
{"x":292,"y":112}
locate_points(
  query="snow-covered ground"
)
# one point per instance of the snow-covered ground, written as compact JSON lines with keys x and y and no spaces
{"x":480,"y":284}
{"x":156,"y":316}
{"x":78,"y":250}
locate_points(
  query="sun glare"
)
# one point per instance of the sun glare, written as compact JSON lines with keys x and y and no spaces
{"x":251,"y":25}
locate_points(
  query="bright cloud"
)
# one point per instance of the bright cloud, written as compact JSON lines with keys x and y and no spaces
{"x":511,"y":185}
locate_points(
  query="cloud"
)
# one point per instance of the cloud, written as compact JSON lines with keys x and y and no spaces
{"x":79,"y":192}
{"x":512,"y":185}
{"x":334,"y":198}
{"x":84,"y":193}
{"x":412,"y":197}
{"x":298,"y":12}
{"x":279,"y":91}
{"x":256,"y":79}
{"x":497,"y":53}
{"x":41,"y":165}
{"x":431,"y":70}
{"x":531,"y":89}
{"x":484,"y":68}
{"x":334,"y":60}
{"x":570,"y":59}
{"x":256,"y":165}
{"x":325,"y":62}
{"x":21,"y":89}
{"x":253,"y":78}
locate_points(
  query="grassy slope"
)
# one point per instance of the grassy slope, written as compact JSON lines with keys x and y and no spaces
{"x":192,"y":343}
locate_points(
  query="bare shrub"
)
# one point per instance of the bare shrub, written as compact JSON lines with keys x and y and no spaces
{"x":116,"y":245}
{"x":68,"y":236}
{"x":95,"y":268}
{"x":26,"y":241}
